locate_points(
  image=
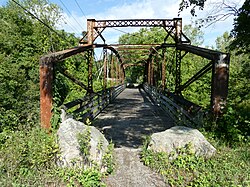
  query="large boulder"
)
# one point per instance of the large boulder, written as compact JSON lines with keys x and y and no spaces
{"x":179,"y":136}
{"x":68,"y":134}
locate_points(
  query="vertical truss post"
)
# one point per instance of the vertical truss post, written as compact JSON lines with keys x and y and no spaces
{"x":120,"y":73}
{"x":46,"y":79}
{"x":105,"y":58}
{"x":178,"y":29}
{"x":90,"y":58}
{"x":112,"y":69}
{"x":149,"y":73}
{"x":90,"y":28}
{"x":117,"y":73}
{"x":123,"y":74}
{"x":219,"y":88}
{"x":108,"y":68}
{"x":178,"y":71}
{"x":152,"y":72}
{"x":163,"y":69}
{"x":145,"y":78}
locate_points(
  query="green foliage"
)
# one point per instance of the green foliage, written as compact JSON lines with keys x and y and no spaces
{"x":84,"y":144}
{"x":234,"y":126}
{"x":27,"y":154}
{"x":23,"y":40}
{"x":108,"y":161}
{"x":27,"y":158}
{"x":90,"y":176}
{"x":191,"y":4}
{"x":84,"y":139}
{"x":135,"y":74}
{"x":194,"y":34}
{"x":229,"y":167}
{"x":79,"y":177}
{"x":241,"y":30}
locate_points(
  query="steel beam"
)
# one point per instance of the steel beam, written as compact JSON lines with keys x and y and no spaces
{"x":163,"y":69}
{"x":178,"y":71}
{"x":105,"y":58}
{"x":135,"y":23}
{"x":117,"y":46}
{"x":152,"y":72}
{"x":120,"y":73}
{"x":220,"y":74}
{"x":115,"y":52}
{"x":171,"y":26}
{"x":46,"y":79}
{"x":203,"y":52}
{"x":219,"y":89}
{"x":90,"y":30}
{"x":149,"y":73}
{"x":122,"y":70}
{"x":112,"y":70}
{"x":131,"y":64}
{"x":178,"y":31}
{"x":90,"y":56}
{"x":73,"y":79}
{"x":61,"y":55}
{"x":46,"y":95}
{"x":196,"y":76}
{"x":117,"y":73}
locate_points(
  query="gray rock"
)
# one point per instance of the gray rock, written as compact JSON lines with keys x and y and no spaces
{"x":177,"y":137}
{"x":69,"y":146}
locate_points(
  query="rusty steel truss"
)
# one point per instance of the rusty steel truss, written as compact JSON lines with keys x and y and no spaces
{"x":173,"y":27}
{"x":219,"y":62}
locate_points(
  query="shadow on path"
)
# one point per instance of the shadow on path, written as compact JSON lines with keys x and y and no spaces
{"x":130,"y":118}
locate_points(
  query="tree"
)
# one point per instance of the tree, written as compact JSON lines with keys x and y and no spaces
{"x":241,"y":31}
{"x":193,"y":4}
{"x":23,"y":39}
{"x":221,"y":11}
{"x":222,"y":42}
{"x":143,"y":36}
{"x":194,"y":34}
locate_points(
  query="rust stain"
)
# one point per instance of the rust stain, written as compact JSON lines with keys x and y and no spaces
{"x":46,"y":77}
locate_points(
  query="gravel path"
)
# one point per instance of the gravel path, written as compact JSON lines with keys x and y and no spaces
{"x":130,"y":172}
{"x":126,"y":122}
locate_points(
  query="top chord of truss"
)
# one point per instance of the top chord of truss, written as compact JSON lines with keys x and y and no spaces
{"x":135,"y":23}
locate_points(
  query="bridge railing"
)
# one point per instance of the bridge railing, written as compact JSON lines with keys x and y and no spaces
{"x":176,"y":112}
{"x":91,"y":105}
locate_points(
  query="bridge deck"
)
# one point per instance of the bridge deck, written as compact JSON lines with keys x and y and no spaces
{"x":131,"y":117}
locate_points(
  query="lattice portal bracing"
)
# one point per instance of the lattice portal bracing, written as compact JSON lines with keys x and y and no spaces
{"x":173,"y":27}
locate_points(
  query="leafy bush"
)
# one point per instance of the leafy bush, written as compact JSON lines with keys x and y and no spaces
{"x":108,"y":161}
{"x":79,"y":177}
{"x":229,"y":167}
{"x":84,"y":144}
{"x":27,"y":158}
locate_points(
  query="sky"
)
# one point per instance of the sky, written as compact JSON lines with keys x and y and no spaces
{"x":75,"y":16}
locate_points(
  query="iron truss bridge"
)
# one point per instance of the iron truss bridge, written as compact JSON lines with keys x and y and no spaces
{"x":113,"y":68}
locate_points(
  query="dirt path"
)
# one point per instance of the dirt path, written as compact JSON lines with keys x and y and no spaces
{"x":130,"y":172}
{"x":126,"y":122}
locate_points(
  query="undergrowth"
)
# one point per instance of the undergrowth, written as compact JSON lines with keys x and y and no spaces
{"x":229,"y":167}
{"x":29,"y":159}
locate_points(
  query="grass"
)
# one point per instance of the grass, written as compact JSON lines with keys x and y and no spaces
{"x":229,"y":167}
{"x":29,"y":159}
